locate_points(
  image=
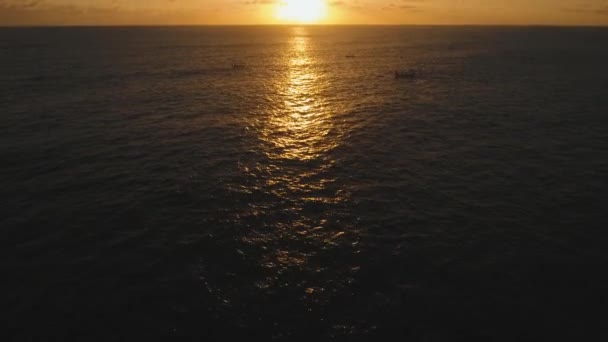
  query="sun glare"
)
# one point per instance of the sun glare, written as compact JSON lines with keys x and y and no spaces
{"x":303,"y":11}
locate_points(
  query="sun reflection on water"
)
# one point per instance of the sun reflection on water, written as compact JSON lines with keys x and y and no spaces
{"x":298,"y":203}
{"x":299,"y":128}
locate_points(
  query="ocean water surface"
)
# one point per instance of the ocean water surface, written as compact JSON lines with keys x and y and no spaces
{"x":278,"y":183}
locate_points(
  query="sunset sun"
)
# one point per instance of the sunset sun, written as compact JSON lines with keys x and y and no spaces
{"x":304,"y":11}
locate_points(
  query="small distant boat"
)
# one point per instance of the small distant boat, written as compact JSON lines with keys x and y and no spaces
{"x":350,"y":56}
{"x":406,"y":74}
{"x":238,"y":66}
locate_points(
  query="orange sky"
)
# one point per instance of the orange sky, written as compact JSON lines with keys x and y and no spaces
{"x":211,"y":12}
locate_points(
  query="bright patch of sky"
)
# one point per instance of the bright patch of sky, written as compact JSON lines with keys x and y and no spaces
{"x":173,"y":12}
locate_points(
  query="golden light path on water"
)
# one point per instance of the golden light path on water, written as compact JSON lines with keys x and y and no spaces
{"x":297,"y":132}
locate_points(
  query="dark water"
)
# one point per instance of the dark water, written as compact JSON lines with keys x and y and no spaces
{"x":149,"y":189}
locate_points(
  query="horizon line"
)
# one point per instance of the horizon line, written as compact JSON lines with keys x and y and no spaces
{"x":298,"y":24}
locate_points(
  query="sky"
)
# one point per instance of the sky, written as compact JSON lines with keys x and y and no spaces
{"x":248,"y":12}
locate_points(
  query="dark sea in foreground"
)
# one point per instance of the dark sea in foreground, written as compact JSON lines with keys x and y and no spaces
{"x":279,"y":184}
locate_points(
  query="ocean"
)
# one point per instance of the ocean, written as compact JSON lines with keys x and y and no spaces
{"x":281,"y":184}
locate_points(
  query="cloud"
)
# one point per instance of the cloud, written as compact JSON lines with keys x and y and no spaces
{"x":587,"y":9}
{"x":260,"y":2}
{"x":41,"y":12}
{"x":405,"y":5}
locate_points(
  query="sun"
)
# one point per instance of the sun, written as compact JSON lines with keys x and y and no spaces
{"x":303,"y":11}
